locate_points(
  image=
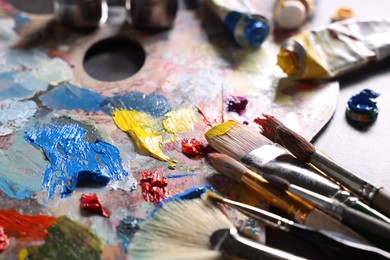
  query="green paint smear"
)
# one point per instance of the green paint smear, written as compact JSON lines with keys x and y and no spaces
{"x":67,"y":240}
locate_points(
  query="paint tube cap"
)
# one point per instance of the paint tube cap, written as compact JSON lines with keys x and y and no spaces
{"x":288,"y":61}
{"x":360,"y":107}
{"x":290,"y":14}
{"x":256,"y":31}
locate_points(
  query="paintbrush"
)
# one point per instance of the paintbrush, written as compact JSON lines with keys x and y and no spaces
{"x":372,"y":228}
{"x":196,"y":229}
{"x":308,"y":153}
{"x":330,"y":242}
{"x":300,"y":210}
{"x":260,"y":154}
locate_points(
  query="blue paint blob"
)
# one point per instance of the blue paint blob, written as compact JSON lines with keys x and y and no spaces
{"x":361,"y":103}
{"x":68,"y":96}
{"x":176,"y":176}
{"x":21,"y":20}
{"x":19,"y":85}
{"x":126,"y":230}
{"x":193,"y":193}
{"x":154,"y":104}
{"x":361,"y":108}
{"x":74,"y":157}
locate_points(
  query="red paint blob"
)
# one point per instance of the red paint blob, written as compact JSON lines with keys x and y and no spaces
{"x":4,"y":242}
{"x":29,"y":228}
{"x":91,"y":203}
{"x":192,"y":147}
{"x":237,"y":104}
{"x":154,"y":188}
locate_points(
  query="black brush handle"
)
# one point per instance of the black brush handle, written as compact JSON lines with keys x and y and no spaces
{"x":338,"y":245}
{"x":381,"y":202}
{"x":230,"y":243}
{"x":375,"y":230}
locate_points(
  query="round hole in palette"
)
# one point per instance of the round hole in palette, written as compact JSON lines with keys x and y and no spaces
{"x":114,"y":59}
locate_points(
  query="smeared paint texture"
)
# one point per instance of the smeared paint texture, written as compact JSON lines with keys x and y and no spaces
{"x":192,"y":193}
{"x":154,"y":187}
{"x":15,"y":114}
{"x":25,"y":227}
{"x":66,"y":239}
{"x":37,"y":61}
{"x":21,"y":20}
{"x":92,"y":204}
{"x":4,"y":242}
{"x":21,"y":169}
{"x":181,"y":120}
{"x":19,"y":85}
{"x":68,"y":96}
{"x":237,"y":104}
{"x":74,"y":156}
{"x":139,"y":126}
{"x":154,"y":104}
{"x":192,"y":147}
{"x":127,"y":229}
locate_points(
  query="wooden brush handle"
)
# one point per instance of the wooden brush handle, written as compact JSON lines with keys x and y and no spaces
{"x":381,"y":202}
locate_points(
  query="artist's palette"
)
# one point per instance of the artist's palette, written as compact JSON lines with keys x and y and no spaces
{"x":58,"y":122}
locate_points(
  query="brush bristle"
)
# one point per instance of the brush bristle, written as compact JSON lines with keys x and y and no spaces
{"x":235,"y":140}
{"x":227,"y":166}
{"x":212,"y":196}
{"x":180,"y":230}
{"x":281,"y":134}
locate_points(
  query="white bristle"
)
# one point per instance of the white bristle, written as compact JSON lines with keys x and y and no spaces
{"x":238,"y":141}
{"x":180,"y":230}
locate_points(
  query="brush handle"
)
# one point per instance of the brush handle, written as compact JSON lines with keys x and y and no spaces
{"x":362,"y":207}
{"x":338,"y":245}
{"x":318,"y":219}
{"x":289,"y":168}
{"x":345,"y":177}
{"x":381,"y":201}
{"x":229,"y":242}
{"x":373,"y":229}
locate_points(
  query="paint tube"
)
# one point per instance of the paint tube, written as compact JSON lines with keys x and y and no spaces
{"x":248,"y":28}
{"x":339,"y":48}
{"x":291,"y":14}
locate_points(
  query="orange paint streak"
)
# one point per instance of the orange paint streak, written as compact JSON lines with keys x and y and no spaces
{"x":25,"y":227}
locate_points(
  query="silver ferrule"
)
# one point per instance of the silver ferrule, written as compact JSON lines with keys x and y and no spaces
{"x":263,"y":216}
{"x":346,"y":178}
{"x":327,"y":204}
{"x":275,"y":160}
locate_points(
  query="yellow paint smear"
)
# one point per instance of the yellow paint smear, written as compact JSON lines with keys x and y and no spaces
{"x":181,"y":120}
{"x":220,"y":129}
{"x":139,"y":125}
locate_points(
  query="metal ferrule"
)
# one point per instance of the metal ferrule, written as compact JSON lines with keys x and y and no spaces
{"x":294,"y":206}
{"x":275,"y":160}
{"x":322,"y":202}
{"x":263,"y":216}
{"x":346,"y":178}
